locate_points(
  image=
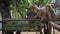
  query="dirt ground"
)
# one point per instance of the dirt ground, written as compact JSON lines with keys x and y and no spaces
{"x":0,"y":32}
{"x":56,"y":32}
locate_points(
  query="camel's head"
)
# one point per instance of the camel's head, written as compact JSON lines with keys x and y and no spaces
{"x":31,"y":13}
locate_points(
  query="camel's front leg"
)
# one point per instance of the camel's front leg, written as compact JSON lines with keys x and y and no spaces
{"x":45,"y":29}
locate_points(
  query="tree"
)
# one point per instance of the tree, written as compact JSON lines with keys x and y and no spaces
{"x":5,"y":11}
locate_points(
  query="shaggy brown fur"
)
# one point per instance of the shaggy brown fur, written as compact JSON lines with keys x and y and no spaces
{"x":46,"y":13}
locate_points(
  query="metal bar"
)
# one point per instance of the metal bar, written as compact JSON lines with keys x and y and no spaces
{"x":22,"y":19}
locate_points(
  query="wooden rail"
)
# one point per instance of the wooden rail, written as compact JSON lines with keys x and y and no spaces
{"x":56,"y":26}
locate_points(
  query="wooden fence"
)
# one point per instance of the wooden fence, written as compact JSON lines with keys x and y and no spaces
{"x":23,"y":19}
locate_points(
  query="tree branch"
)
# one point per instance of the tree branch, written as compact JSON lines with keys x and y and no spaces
{"x":20,"y":13}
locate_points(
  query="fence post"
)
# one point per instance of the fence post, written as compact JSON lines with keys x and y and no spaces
{"x":9,"y":32}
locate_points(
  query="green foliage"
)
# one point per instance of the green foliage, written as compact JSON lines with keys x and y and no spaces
{"x":58,"y":1}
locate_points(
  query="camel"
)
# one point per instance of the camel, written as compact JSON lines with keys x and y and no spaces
{"x":45,"y":14}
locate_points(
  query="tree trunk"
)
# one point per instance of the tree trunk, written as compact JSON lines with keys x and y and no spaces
{"x":5,"y":12}
{"x":14,"y":1}
{"x":5,"y":9}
